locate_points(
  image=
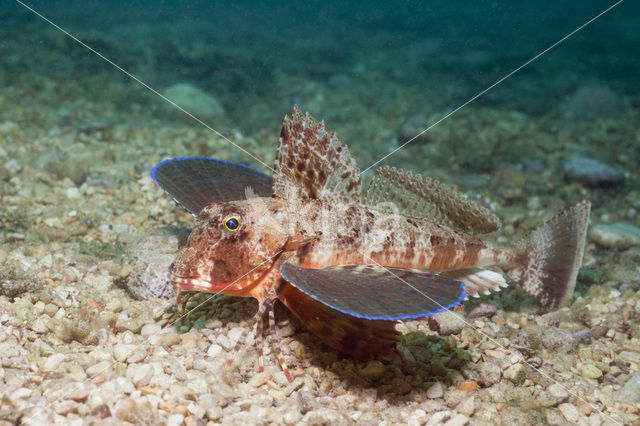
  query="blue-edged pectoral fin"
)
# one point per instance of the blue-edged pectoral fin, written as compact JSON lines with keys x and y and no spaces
{"x":197,"y":181}
{"x":375,"y":292}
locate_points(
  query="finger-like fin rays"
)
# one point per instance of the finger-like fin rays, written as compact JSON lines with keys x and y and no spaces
{"x":257,"y":323}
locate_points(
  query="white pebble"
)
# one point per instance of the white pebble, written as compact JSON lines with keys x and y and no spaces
{"x":224,"y":342}
{"x":21,"y":393}
{"x":235,"y":333}
{"x":214,"y":350}
{"x":175,"y":420}
{"x":66,"y":407}
{"x":140,"y":374}
{"x":121,"y":351}
{"x":291,"y":417}
{"x":38,"y":325}
{"x":150,"y":330}
{"x":435,"y":391}
{"x":570,"y":412}
{"x":53,"y":362}
{"x":439,"y":418}
{"x":458,"y":420}
{"x":46,"y":262}
{"x":196,"y":410}
{"x":558,"y":391}
{"x":73,"y":193}
{"x":417,"y":417}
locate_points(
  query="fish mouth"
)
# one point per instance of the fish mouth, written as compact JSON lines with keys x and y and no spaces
{"x":198,"y":284}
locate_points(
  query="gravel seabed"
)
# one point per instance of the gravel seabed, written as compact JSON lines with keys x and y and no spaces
{"x":76,"y":348}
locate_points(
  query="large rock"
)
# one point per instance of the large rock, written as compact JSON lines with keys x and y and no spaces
{"x":195,"y":100}
{"x":591,"y":172}
{"x":593,"y":101}
{"x":620,"y":235}
{"x":149,"y":259}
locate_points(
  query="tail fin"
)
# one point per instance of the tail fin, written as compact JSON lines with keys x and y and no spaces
{"x":547,"y":260}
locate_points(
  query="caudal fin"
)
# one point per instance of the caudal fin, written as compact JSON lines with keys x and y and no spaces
{"x":547,"y":260}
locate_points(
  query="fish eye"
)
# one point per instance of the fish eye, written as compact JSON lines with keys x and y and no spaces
{"x":232,"y":223}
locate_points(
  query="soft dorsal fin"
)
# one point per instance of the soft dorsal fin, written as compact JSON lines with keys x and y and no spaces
{"x":422,"y":197}
{"x":312,"y":163}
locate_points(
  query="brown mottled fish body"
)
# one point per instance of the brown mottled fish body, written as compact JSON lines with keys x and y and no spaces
{"x":345,"y":262}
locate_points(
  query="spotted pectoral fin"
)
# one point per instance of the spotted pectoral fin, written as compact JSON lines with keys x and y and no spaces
{"x":423,"y":197}
{"x":377,"y":293}
{"x":312,"y":163}
{"x":479,"y":281}
{"x":196,"y":182}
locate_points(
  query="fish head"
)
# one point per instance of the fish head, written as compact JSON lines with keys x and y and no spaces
{"x":232,"y":246}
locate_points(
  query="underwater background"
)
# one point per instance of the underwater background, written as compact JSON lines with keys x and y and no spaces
{"x":86,"y":236}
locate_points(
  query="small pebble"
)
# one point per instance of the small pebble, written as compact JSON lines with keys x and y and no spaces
{"x":458,"y":420}
{"x":21,"y":393}
{"x":630,"y":392}
{"x":373,"y":370}
{"x":468,"y":386}
{"x":484,"y":309}
{"x":114,"y":305}
{"x":140,"y":374}
{"x":54,"y":361}
{"x":224,"y":342}
{"x":417,"y":417}
{"x":258,"y":380}
{"x":235,"y":334}
{"x":169,"y":339}
{"x":23,"y":308}
{"x":570,"y":412}
{"x":558,"y":340}
{"x":439,"y":418}
{"x":516,"y":373}
{"x":435,"y":391}
{"x":175,"y":420}
{"x":489,"y":374}
{"x":467,"y":406}
{"x":214,"y":350}
{"x":66,"y":407}
{"x":558,"y":392}
{"x":133,"y":325}
{"x":121,"y":351}
{"x":150,"y":329}
{"x":631,"y":357}
{"x":591,"y":371}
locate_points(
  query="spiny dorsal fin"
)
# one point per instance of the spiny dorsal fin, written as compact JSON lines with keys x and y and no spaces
{"x":427,"y":198}
{"x":312,"y":163}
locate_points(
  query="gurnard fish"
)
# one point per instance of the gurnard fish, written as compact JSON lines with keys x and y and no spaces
{"x":351,"y":264}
